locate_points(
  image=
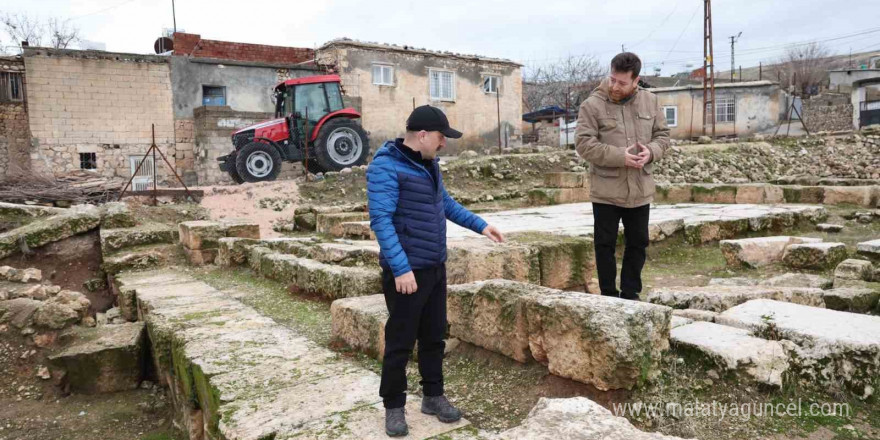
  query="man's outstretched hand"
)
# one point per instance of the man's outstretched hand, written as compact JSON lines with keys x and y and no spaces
{"x":493,"y":233}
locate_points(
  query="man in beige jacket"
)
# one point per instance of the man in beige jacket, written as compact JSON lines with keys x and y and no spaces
{"x":621,"y":131}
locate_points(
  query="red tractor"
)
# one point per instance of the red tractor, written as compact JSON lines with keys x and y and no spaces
{"x":335,"y":139}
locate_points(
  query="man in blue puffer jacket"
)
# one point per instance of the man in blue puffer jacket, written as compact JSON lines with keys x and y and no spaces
{"x":408,"y":211}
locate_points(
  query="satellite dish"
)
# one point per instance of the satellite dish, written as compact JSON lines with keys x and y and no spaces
{"x":163,"y":44}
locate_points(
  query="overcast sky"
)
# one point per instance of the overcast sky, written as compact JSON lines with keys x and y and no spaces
{"x":666,"y":34}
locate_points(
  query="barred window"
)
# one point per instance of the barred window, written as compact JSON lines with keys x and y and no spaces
{"x":442,"y":85}
{"x":726,"y":109}
{"x":11,"y":87}
{"x":88,"y":161}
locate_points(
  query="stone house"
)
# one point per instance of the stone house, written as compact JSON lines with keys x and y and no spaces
{"x":863,"y":85}
{"x":14,"y":132}
{"x":742,"y":108}
{"x":387,"y":81}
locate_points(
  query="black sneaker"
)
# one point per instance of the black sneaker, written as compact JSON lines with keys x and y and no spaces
{"x":395,"y":422}
{"x":440,"y":406}
{"x":630,"y":296}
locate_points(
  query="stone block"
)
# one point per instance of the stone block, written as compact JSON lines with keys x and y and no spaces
{"x":117,"y":215}
{"x":139,"y":258}
{"x":103,"y":359}
{"x":752,"y":193}
{"x":833,"y":349}
{"x":234,"y":251}
{"x":803,"y":194}
{"x":478,"y":259}
{"x":331,"y":224}
{"x":325,"y":280}
{"x":360,"y":323}
{"x":564,"y":180}
{"x":678,"y":321}
{"x":678,"y":194}
{"x":870,"y":249}
{"x":362,"y":254}
{"x":852,"y":299}
{"x":306,"y":221}
{"x":576,"y":418}
{"x":814,"y":255}
{"x":852,"y":195}
{"x":714,"y":193}
{"x":798,"y":280}
{"x":491,"y":314}
{"x":608,"y":342}
{"x":734,"y":350}
{"x":358,"y":230}
{"x":721,"y":298}
{"x":201,"y":234}
{"x":853,"y":269}
{"x":42,"y":231}
{"x":565,"y":261}
{"x":200,"y":257}
{"x":759,"y":251}
{"x":712,"y":230}
{"x":558,"y":196}
{"x":830,"y":228}
{"x":115,"y":239}
{"x":241,"y":229}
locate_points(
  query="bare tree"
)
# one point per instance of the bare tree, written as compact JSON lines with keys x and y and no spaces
{"x":565,"y":84}
{"x":59,"y":34}
{"x":804,"y":67}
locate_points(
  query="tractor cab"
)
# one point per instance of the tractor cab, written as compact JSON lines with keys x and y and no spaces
{"x":309,"y":111}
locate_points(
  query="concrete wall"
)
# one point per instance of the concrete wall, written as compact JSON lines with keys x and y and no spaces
{"x":248,"y":88}
{"x":842,"y":80}
{"x":757,"y":109}
{"x":14,"y":131}
{"x":385,"y":108}
{"x":99,"y":102}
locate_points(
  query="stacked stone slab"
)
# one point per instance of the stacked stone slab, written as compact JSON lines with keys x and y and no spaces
{"x":818,"y":256}
{"x":762,"y":193}
{"x":607,"y":342}
{"x":332,"y":223}
{"x":315,"y":278}
{"x":200,"y":238}
{"x":560,"y":188}
{"x":760,"y":251}
{"x":576,"y":418}
{"x":833,"y":349}
{"x":854,"y":269}
{"x":734,"y":350}
{"x":870,"y":249}
{"x":45,"y":230}
{"x":138,"y":247}
{"x":360,"y":323}
{"x":102,"y":359}
{"x":237,"y":375}
{"x":721,"y":298}
{"x":305,"y":218}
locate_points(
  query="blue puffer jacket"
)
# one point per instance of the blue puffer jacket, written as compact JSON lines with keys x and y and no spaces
{"x":408,"y":211}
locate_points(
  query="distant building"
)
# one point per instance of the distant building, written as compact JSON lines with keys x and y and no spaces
{"x":864,"y":88}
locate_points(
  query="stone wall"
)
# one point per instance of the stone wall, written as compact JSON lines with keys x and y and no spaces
{"x":14,"y":132}
{"x":386,"y":107}
{"x":212,"y":130}
{"x":97,"y":102}
{"x":828,"y":112}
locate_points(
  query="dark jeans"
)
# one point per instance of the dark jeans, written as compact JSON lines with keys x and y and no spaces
{"x":606,"y":219}
{"x":422,"y":316}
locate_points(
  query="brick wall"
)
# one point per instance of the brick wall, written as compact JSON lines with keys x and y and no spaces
{"x":194,"y":45}
{"x":97,"y":102}
{"x":14,"y":133}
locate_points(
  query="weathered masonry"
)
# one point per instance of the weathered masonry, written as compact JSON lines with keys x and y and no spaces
{"x":14,"y":132}
{"x":388,"y":81}
{"x":94,"y":110}
{"x":741,"y":109}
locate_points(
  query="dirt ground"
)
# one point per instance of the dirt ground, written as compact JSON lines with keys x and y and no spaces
{"x":34,"y":409}
{"x":263,"y":203}
{"x":69,"y":263}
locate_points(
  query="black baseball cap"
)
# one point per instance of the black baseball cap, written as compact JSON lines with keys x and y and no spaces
{"x":430,"y":119}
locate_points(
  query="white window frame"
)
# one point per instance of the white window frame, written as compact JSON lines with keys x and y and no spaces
{"x":728,"y":103}
{"x":383,"y":68}
{"x":674,"y":118}
{"x":492,"y":79}
{"x":440,"y":96}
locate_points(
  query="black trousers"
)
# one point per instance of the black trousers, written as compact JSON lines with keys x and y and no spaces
{"x":606,"y":219}
{"x":420,"y":315}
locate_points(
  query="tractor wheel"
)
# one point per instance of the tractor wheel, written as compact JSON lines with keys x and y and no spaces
{"x":258,"y":162}
{"x":341,"y":143}
{"x":233,"y":172}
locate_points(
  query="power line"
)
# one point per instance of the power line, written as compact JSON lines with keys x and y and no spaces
{"x":682,"y":32}
{"x":100,"y":11}
{"x":657,"y":27}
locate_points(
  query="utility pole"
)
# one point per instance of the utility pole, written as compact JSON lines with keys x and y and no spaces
{"x":174,"y":16}
{"x":733,"y":40}
{"x":708,"y":67}
{"x":760,"y":70}
{"x":622,"y":49}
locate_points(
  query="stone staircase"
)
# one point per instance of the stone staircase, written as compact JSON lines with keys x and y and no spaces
{"x":235,"y":374}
